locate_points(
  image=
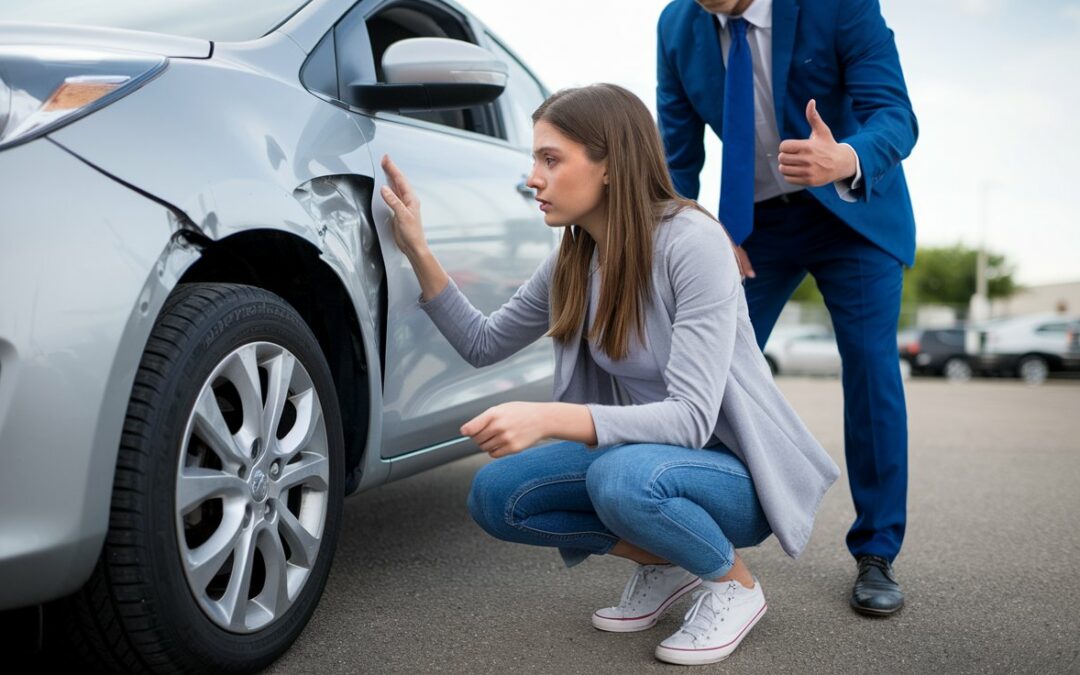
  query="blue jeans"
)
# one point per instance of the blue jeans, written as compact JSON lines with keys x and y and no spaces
{"x":690,"y":507}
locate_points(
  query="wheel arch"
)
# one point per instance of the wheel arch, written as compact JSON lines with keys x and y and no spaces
{"x":294,"y":269}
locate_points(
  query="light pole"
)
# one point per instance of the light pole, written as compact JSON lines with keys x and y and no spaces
{"x":980,"y":302}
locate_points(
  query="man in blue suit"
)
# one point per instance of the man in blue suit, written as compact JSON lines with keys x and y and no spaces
{"x":809,"y":101}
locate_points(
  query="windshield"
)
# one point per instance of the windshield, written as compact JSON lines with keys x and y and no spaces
{"x":217,"y":20}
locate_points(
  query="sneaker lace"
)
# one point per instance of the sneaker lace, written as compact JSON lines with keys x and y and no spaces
{"x":628,"y":592}
{"x":708,"y":608}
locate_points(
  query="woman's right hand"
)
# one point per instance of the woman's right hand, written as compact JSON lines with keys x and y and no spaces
{"x":409,"y":231}
{"x":398,"y":195}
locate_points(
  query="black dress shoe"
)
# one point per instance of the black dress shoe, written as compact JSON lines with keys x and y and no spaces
{"x":876,"y":592}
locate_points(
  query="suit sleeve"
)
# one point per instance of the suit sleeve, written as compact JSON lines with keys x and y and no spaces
{"x":483,"y":340}
{"x":681,"y":128}
{"x":875,"y":82}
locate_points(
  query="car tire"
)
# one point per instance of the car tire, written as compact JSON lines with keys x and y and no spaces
{"x":957,"y":369}
{"x":1032,"y":369}
{"x":226,"y":348}
{"x":773,"y":368}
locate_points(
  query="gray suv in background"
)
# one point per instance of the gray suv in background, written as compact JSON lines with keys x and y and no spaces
{"x":207,"y":335}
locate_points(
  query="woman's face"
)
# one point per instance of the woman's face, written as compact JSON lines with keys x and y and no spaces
{"x":569,"y":186}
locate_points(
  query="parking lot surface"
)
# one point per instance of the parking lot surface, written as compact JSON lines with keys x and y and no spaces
{"x":989,"y":564}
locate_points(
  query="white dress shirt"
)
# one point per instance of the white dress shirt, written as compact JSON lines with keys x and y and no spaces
{"x":768,"y":181}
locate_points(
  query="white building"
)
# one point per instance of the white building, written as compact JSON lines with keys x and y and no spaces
{"x":1059,"y":298}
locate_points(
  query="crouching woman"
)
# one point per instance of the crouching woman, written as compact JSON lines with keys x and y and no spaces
{"x":675,"y":446}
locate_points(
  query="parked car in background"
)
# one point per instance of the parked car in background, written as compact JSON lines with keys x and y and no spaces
{"x":936,"y":351}
{"x":207,"y":335}
{"x":803,"y":350}
{"x":1028,"y":347}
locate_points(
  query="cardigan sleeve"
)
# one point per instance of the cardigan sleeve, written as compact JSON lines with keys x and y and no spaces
{"x":483,"y":340}
{"x":706,"y":285}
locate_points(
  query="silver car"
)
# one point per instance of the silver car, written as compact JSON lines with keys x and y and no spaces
{"x":804,"y":349}
{"x":207,"y":335}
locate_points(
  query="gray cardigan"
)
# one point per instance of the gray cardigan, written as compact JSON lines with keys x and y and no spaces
{"x":699,"y":331}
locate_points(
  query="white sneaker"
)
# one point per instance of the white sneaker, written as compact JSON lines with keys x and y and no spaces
{"x":650,"y":591}
{"x":721,"y":616}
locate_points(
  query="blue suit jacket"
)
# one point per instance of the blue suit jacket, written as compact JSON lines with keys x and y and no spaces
{"x":840,"y":53}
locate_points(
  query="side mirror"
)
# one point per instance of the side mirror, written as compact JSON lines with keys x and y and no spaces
{"x":432,"y":74}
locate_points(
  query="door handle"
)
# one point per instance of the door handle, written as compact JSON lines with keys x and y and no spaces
{"x":524,"y":190}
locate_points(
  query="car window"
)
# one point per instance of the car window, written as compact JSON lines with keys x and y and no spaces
{"x":522,"y":97}
{"x":950,"y":337}
{"x":1052,"y":328}
{"x":362,"y":40}
{"x":954,"y":338}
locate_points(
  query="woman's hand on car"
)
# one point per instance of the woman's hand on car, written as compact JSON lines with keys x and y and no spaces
{"x":508,"y":428}
{"x":409,"y":231}
{"x":398,"y":195}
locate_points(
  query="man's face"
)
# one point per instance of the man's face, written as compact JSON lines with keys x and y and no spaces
{"x":733,"y":7}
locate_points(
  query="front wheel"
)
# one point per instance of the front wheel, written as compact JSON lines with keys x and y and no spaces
{"x":957,"y":369}
{"x":228,"y":491}
{"x":1033,"y":369}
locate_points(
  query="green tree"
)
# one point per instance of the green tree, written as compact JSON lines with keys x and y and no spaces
{"x":941,"y":275}
{"x":808,"y":292}
{"x":946,"y":275}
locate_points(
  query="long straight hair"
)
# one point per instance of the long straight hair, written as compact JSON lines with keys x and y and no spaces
{"x":614,"y":125}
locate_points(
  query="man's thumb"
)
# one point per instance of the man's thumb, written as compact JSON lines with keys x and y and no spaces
{"x":817,"y":125}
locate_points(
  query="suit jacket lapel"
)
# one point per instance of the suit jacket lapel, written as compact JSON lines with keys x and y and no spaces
{"x":785,"y":14}
{"x":709,"y":66}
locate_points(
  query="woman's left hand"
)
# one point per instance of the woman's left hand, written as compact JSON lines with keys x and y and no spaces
{"x":508,"y":428}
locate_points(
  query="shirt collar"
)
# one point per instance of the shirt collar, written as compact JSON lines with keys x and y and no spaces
{"x":758,"y":15}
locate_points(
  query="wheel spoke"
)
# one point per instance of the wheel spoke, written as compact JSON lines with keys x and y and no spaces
{"x":304,"y":545}
{"x":210,"y":426}
{"x":308,"y":417}
{"x":313,"y":471}
{"x":275,"y":594}
{"x":243,"y":371}
{"x":196,"y":485}
{"x":205,"y":562}
{"x":281,"y":371}
{"x":234,"y":602}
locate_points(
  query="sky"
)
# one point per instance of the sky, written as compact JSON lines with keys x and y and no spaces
{"x":995,"y":86}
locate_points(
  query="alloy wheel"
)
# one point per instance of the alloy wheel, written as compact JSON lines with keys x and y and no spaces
{"x":252,"y":487}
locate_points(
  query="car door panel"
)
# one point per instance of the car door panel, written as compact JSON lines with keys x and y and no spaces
{"x":490,"y":238}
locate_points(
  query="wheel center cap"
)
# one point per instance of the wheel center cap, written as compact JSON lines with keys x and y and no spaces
{"x":260,"y":485}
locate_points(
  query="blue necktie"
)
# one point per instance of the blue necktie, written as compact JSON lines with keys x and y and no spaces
{"x":737,"y":172}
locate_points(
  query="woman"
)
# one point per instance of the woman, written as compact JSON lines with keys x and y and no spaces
{"x":676,"y":447}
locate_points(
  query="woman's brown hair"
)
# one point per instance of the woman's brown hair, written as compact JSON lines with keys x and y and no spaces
{"x":613,"y":125}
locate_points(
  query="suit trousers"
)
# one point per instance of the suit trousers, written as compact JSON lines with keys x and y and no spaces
{"x":861,"y":285}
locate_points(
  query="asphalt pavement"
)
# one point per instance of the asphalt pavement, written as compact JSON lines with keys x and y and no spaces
{"x":989,"y":566}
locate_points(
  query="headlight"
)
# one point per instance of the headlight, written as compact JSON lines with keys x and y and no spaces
{"x":43,"y":88}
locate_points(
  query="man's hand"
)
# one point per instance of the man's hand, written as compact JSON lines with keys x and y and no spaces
{"x":819,"y":160}
{"x":508,"y":428}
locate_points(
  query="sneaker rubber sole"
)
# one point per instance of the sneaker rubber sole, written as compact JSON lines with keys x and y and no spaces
{"x":700,"y":657}
{"x":644,"y":622}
